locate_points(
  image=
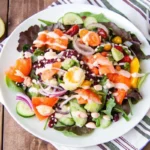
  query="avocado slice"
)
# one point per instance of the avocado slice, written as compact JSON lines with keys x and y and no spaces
{"x":117,"y":55}
{"x":68,"y":63}
{"x":67,"y":120}
{"x":33,"y":90}
{"x":75,"y":107}
{"x":93,"y":107}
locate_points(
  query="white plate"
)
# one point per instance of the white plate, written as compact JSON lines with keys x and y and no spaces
{"x":33,"y":125}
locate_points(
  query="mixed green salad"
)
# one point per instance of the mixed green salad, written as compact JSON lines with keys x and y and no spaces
{"x":78,"y":74}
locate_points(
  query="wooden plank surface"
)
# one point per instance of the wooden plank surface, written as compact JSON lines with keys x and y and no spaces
{"x":3,"y":15}
{"x":14,"y":136}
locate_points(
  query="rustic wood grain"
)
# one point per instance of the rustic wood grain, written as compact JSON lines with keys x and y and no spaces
{"x":15,"y":137}
{"x":3,"y":15}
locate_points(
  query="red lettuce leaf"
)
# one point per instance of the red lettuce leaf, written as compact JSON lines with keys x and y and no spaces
{"x":27,"y":37}
{"x":127,"y":36}
{"x":134,"y":94}
{"x":74,"y":129}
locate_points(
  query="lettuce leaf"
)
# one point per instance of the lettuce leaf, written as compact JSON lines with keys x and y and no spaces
{"x":74,"y":130}
{"x":119,"y":109}
{"x":27,"y":37}
{"x":48,"y":23}
{"x":97,"y":121}
{"x":109,"y":106}
{"x":99,"y":17}
{"x":127,"y":36}
{"x":134,"y":95}
{"x":11,"y":85}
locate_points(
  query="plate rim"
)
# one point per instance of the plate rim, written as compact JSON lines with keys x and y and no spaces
{"x":29,"y":130}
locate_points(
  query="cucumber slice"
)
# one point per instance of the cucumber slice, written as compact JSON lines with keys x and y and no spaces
{"x":105,"y":123}
{"x":2,"y":28}
{"x":92,"y":107}
{"x":71,"y":19}
{"x":89,"y":20}
{"x":117,"y":55}
{"x":67,"y":120}
{"x":75,"y":107}
{"x":24,"y":110}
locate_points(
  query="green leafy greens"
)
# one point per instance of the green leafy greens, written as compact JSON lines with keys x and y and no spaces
{"x":99,"y":17}
{"x":11,"y":84}
{"x":110,"y":104}
{"x":97,"y":121}
{"x":74,"y":130}
{"x":27,"y":37}
{"x":119,"y":109}
{"x":48,"y":23}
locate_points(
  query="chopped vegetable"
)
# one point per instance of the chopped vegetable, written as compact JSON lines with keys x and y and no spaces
{"x":110,"y":104}
{"x":71,"y":19}
{"x":24,"y":110}
{"x":119,"y":109}
{"x":11,"y":84}
{"x":22,"y":65}
{"x":48,"y":23}
{"x":117,"y":55}
{"x":36,"y":101}
{"x":117,"y":40}
{"x":134,"y":68}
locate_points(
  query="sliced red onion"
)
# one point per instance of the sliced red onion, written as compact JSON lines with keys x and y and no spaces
{"x":98,"y":25}
{"x":81,"y":48}
{"x":59,"y":93}
{"x":43,"y":93}
{"x":67,"y":100}
{"x":61,"y":112}
{"x":128,"y":43}
{"x":24,"y":98}
{"x":49,"y":86}
{"x":52,"y":94}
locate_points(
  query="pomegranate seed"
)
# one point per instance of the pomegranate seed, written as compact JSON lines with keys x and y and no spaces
{"x":126,"y":59}
{"x":116,"y":117}
{"x":52,"y":121}
{"x":73,"y":30}
{"x":83,"y":17}
{"x":119,"y":48}
{"x":102,"y":33}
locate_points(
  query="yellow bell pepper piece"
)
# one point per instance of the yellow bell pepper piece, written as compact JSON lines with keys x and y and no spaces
{"x":134,"y":68}
{"x":86,"y":84}
{"x":134,"y":82}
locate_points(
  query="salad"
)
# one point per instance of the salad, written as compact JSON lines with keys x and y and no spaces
{"x":78,"y":74}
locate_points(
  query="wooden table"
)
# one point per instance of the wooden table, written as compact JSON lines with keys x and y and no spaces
{"x":12,"y":136}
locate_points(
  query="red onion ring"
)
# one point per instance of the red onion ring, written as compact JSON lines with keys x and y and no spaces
{"x":24,"y":98}
{"x":61,"y":112}
{"x":67,"y":100}
{"x":59,"y":93}
{"x":81,"y":48}
{"x":98,"y":25}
